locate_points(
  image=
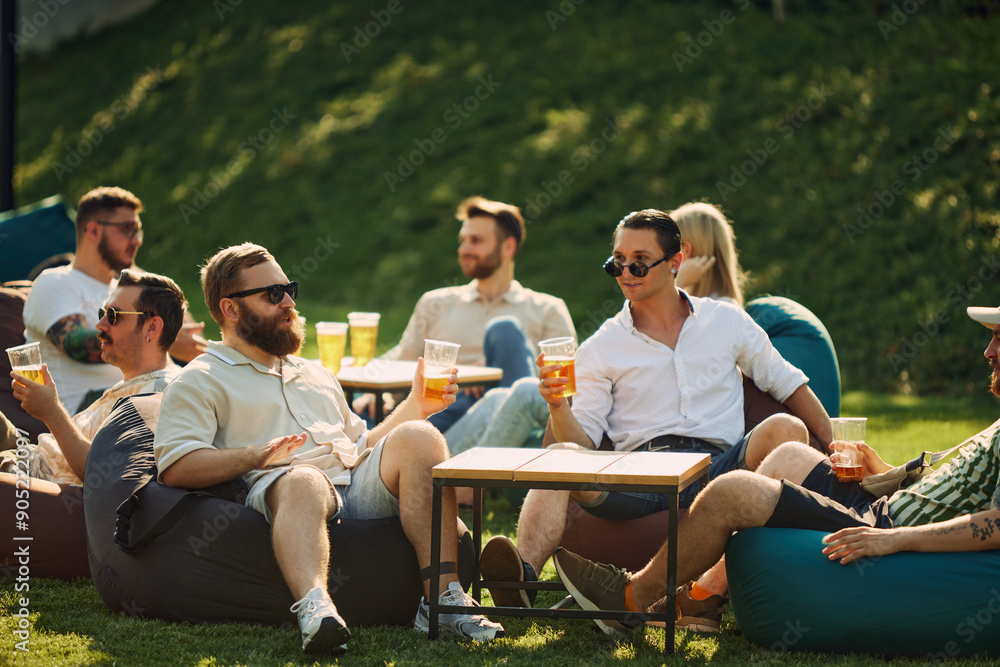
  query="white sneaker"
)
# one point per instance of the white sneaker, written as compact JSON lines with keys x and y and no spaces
{"x":323,"y":629}
{"x":477,"y":628}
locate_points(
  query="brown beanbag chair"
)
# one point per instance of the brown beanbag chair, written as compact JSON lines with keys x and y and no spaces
{"x":57,"y":548}
{"x":12,"y":298}
{"x":630,"y":544}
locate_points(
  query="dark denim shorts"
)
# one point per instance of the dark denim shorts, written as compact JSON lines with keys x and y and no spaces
{"x":626,"y":505}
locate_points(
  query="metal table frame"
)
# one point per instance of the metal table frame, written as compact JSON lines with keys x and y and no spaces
{"x":557,"y":611}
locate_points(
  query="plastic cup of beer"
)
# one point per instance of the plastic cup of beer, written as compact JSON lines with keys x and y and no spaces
{"x":439,"y":358}
{"x":27,"y":360}
{"x":332,"y":340}
{"x":848,"y":433}
{"x":364,"y":332}
{"x":561,"y":351}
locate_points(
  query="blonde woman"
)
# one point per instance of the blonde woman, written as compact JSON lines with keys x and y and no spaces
{"x":711,"y":266}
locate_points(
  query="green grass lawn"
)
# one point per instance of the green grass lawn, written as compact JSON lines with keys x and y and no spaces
{"x":70,"y":625}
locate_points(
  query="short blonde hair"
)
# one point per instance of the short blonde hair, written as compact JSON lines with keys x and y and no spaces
{"x":710,"y":233}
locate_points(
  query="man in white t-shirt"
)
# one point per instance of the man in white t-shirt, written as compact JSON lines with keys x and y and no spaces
{"x":61,"y":311}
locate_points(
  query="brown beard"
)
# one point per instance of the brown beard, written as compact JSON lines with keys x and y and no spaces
{"x":995,"y":380}
{"x":487,"y":267}
{"x":105,"y":252}
{"x":268,"y":335}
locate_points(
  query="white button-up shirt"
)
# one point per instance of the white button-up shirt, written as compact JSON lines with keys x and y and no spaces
{"x":635,"y":388}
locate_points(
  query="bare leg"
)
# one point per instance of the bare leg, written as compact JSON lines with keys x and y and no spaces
{"x":541,"y":525}
{"x":409,"y":453}
{"x":301,"y":502}
{"x":772,"y":432}
{"x":733,"y":501}
{"x":792,"y":461}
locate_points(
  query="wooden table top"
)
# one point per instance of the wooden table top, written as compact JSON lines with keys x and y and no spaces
{"x":389,"y":375}
{"x":574,"y":465}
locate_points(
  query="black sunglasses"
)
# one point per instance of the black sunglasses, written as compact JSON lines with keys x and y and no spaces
{"x":113,"y":314}
{"x":637,"y":269}
{"x":275,"y":293}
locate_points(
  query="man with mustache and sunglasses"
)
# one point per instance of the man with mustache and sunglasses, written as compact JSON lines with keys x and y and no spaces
{"x":136,"y":325}
{"x":59,"y":312}
{"x":250,"y":408}
{"x":665,"y":374}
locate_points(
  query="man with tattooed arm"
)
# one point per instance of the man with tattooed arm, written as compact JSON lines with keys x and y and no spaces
{"x":60,"y":310}
{"x":955,"y":508}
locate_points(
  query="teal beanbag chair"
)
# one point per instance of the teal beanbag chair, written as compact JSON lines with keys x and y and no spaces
{"x":804,"y":342}
{"x":33,"y":234}
{"x":788,"y":596}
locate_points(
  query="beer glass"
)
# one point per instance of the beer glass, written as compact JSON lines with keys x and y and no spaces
{"x":27,"y":360}
{"x":561,"y":351}
{"x":848,"y":432}
{"x":439,"y":358}
{"x":364,"y":331}
{"x":332,"y":340}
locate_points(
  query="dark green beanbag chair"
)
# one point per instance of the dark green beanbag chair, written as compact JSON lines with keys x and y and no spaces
{"x":788,"y":596}
{"x":804,"y":342}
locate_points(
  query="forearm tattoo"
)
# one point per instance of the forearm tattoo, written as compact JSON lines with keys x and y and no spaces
{"x":72,"y":336}
{"x":986,"y":531}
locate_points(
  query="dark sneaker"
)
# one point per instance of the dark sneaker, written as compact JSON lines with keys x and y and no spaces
{"x":596,"y":587}
{"x":698,"y":615}
{"x":501,"y":561}
{"x":323,"y":629}
{"x":470,"y":626}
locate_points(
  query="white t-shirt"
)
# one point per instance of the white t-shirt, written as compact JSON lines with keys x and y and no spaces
{"x":55,"y":294}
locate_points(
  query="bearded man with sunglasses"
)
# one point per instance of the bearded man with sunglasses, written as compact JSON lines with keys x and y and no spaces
{"x":63,"y":300}
{"x":250,"y":408}
{"x":665,"y":374}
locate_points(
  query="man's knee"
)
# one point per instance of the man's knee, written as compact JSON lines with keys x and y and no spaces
{"x":784,"y":428}
{"x":504,"y":331}
{"x":301,"y":486}
{"x":739,"y":498}
{"x":790,"y":460}
{"x":771,"y":433}
{"x":418,"y":439}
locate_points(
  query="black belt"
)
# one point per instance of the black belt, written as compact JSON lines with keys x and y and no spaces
{"x":670,"y":443}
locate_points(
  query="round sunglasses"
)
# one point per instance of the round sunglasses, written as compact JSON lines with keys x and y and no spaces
{"x":637,"y":269}
{"x":113,"y":313}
